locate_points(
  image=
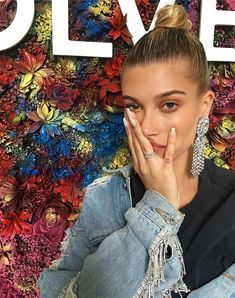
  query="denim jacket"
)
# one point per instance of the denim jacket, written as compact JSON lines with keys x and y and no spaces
{"x":115,"y":250}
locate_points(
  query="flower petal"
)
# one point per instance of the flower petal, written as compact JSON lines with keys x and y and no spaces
{"x":26,"y":80}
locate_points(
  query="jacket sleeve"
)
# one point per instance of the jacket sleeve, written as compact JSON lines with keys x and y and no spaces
{"x":221,"y":286}
{"x":75,"y":248}
{"x":140,"y":259}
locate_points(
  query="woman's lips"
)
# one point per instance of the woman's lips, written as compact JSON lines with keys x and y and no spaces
{"x":157,"y":146}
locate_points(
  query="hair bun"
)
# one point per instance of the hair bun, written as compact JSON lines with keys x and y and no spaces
{"x":173,"y":16}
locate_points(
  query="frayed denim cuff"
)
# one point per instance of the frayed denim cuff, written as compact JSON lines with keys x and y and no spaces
{"x":152,"y":215}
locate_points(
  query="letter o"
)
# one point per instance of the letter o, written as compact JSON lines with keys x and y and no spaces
{"x":20,"y":26}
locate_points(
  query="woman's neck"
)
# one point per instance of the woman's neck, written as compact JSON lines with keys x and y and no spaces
{"x":188,"y":185}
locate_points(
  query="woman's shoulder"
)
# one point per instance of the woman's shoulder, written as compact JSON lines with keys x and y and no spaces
{"x":103,"y":189}
{"x":113,"y":181}
{"x":222,"y":177}
{"x":101,"y":182}
{"x":104,"y":206}
{"x":109,"y":191}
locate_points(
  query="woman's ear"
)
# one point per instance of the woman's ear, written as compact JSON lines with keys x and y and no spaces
{"x":207,"y":101}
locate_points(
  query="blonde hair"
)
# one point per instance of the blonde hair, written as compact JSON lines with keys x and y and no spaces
{"x":172,"y":39}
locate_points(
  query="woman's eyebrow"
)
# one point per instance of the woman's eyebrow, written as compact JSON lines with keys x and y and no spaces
{"x":163,"y":94}
{"x":129,"y":97}
{"x":170,"y":92}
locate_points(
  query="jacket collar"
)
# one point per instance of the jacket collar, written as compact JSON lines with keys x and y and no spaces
{"x":126,"y":170}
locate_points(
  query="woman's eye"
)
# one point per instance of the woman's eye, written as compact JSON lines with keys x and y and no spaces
{"x":133,"y":107}
{"x":169,"y":106}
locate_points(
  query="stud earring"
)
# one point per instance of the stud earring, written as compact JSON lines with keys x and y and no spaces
{"x":198,"y":146}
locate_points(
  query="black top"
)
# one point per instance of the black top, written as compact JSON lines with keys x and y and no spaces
{"x":207,"y":234}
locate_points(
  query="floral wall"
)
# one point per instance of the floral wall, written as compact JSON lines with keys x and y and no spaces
{"x":61,"y":123}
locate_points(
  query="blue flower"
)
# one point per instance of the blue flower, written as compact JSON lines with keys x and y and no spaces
{"x":29,"y":166}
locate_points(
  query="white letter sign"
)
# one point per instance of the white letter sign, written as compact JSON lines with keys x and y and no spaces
{"x":210,"y":17}
{"x":61,"y":43}
{"x":134,"y":21}
{"x":19,"y":27}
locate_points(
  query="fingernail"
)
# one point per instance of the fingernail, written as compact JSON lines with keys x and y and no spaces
{"x":125,"y":122}
{"x":131,"y":118}
{"x":173,"y":132}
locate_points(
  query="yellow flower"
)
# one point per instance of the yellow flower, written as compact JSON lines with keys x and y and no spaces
{"x":27,"y":285}
{"x":219,"y":162}
{"x":69,"y":122}
{"x":43,"y":25}
{"x":47,"y":118}
{"x":102,"y":8}
{"x":226,"y":127}
{"x":207,"y":151}
{"x":232,"y":66}
{"x":33,"y":72}
{"x":120,"y":159}
{"x":66,"y":67}
{"x":85,"y":147}
{"x":210,"y":152}
{"x":46,"y":114}
{"x":92,"y":67}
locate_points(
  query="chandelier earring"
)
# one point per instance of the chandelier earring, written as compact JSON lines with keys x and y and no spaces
{"x":198,"y":146}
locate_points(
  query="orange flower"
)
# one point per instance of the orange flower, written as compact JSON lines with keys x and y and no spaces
{"x":7,"y":71}
{"x":143,"y":2}
{"x":34,"y":74}
{"x":5,"y":253}
{"x":15,"y":224}
{"x":69,"y":190}
{"x":10,"y":189}
{"x":119,"y":29}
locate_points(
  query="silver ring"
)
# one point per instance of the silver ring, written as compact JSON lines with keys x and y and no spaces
{"x":149,"y":155}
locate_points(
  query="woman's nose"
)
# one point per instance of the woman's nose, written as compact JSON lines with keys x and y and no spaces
{"x":150,"y":124}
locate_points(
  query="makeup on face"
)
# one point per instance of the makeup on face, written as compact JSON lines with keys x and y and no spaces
{"x":161,"y":96}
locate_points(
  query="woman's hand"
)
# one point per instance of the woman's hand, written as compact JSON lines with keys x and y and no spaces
{"x":156,"y":173}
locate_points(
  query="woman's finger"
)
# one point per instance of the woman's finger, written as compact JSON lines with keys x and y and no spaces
{"x":130,"y":142}
{"x":143,"y":141}
{"x":139,"y":153}
{"x":170,"y":149}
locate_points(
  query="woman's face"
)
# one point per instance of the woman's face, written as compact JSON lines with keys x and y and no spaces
{"x":162,"y":96}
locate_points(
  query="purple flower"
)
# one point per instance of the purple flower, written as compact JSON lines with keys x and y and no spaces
{"x":53,"y":220}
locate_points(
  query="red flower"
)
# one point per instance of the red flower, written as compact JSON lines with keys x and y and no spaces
{"x":119,"y":29}
{"x":5,"y":2}
{"x":112,"y":86}
{"x":54,"y":219}
{"x":6,"y":163}
{"x":31,"y":67}
{"x":114,"y":103}
{"x":231,"y":4}
{"x":143,"y":2}
{"x":30,"y":64}
{"x":91,"y":78}
{"x":69,"y":190}
{"x":4,"y":17}
{"x":15,"y":224}
{"x":60,"y":95}
{"x":30,"y":183}
{"x":10,"y":191}
{"x":8,"y":72}
{"x":13,"y":189}
{"x":113,"y":66}
{"x":112,"y":83}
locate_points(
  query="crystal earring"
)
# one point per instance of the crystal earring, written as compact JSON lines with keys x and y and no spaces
{"x":198,"y":146}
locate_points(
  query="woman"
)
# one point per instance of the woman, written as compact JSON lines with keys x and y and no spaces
{"x":125,"y":243}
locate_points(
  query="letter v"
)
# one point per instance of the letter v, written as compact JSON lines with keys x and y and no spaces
{"x":134,"y":22}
